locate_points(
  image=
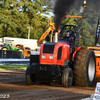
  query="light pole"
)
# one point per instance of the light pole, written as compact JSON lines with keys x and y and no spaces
{"x":29,"y":28}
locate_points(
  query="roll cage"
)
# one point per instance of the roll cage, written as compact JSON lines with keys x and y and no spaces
{"x":74,"y":31}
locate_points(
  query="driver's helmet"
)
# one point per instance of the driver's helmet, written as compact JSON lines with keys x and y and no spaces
{"x":67,"y":32}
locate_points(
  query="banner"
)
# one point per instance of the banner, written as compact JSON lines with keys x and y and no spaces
{"x":97,"y":31}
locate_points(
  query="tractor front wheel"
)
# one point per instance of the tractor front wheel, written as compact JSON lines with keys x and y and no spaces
{"x":84,"y":68}
{"x":30,"y":78}
{"x":67,"y":77}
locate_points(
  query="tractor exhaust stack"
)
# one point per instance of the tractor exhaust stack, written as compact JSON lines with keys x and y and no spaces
{"x":56,"y":37}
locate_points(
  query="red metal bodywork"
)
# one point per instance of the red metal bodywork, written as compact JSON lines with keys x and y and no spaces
{"x":65,"y":55}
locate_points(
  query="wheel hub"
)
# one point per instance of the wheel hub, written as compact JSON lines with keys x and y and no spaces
{"x":91,"y":69}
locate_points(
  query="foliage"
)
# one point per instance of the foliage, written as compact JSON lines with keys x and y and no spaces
{"x":15,"y":17}
{"x":87,"y":27}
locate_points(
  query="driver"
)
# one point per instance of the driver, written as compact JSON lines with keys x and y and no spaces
{"x":70,"y":38}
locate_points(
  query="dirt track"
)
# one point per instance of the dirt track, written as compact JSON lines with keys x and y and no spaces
{"x":13,"y":86}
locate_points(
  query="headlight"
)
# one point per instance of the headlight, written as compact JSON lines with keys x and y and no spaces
{"x":43,"y":56}
{"x":51,"y":57}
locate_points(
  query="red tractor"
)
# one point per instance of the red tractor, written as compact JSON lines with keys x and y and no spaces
{"x":58,"y":63}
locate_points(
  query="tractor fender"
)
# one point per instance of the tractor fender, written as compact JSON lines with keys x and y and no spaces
{"x":79,"y":48}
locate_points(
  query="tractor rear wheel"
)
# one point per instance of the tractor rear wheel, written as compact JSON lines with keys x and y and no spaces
{"x":84,"y":68}
{"x":30,"y":78}
{"x":67,"y":77}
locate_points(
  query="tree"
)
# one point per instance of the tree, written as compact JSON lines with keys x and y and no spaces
{"x":17,"y":16}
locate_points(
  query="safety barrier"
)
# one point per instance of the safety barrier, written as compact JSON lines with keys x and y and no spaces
{"x":13,"y":61}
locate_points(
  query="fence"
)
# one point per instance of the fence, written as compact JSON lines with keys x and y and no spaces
{"x":11,"y":54}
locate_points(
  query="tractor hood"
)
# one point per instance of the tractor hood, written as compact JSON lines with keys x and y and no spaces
{"x":54,"y":53}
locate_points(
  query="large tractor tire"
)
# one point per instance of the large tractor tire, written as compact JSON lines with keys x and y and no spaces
{"x":30,"y":78}
{"x":5,"y":48}
{"x":84,"y":68}
{"x":67,"y":77}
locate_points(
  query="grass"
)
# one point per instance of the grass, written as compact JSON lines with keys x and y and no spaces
{"x":12,"y":67}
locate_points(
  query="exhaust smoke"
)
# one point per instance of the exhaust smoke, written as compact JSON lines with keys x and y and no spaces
{"x":60,"y":9}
